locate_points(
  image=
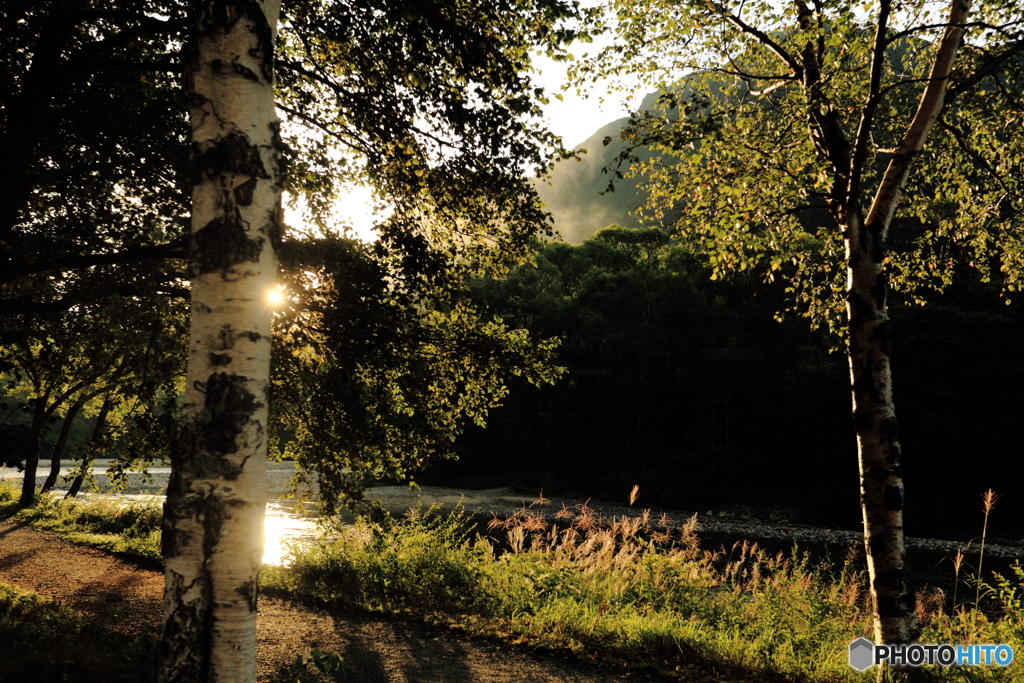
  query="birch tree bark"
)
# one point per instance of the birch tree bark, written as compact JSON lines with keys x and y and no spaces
{"x":213,"y":518}
{"x":869,"y":348}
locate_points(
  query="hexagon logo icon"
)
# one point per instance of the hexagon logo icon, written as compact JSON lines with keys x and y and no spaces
{"x":862,"y":654}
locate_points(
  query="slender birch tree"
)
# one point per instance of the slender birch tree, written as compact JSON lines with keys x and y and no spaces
{"x":213,"y":518}
{"x":788,"y":132}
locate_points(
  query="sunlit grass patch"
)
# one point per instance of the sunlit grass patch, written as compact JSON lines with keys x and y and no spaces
{"x":628,"y":591}
{"x":421,"y":565}
{"x":131,"y":529}
{"x":9,"y":494}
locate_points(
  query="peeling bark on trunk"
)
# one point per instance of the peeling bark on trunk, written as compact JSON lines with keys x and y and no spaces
{"x":213,"y":518}
{"x":874,"y":416}
{"x":869,"y":350}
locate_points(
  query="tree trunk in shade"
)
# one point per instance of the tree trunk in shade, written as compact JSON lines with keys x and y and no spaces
{"x":58,"y":448}
{"x":97,"y":434}
{"x":40,"y":413}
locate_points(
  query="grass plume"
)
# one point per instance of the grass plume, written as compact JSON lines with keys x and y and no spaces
{"x":988,"y":503}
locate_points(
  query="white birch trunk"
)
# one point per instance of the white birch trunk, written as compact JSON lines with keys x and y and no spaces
{"x":870,"y":370}
{"x":213,"y":519}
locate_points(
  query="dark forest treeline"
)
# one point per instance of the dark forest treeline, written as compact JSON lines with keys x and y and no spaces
{"x":690,"y":388}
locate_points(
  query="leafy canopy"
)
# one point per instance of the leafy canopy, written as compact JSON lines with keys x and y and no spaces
{"x":374,"y":380}
{"x":747,"y":137}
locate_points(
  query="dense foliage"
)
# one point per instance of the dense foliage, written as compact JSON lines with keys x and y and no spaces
{"x":431,"y":106}
{"x":775,"y":121}
{"x":373,"y":380}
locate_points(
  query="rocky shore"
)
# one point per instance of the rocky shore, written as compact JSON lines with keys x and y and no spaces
{"x":756,"y":523}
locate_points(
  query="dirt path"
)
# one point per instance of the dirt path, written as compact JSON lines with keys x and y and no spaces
{"x":375,"y":650}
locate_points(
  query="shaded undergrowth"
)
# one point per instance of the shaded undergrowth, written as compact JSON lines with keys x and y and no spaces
{"x":44,"y":641}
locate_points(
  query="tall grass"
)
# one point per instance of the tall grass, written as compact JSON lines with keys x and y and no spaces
{"x":633,"y":591}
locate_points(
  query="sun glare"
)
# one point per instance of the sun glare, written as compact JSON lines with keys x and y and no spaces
{"x":275,"y":297}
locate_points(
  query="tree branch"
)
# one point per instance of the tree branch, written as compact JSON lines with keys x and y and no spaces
{"x":770,"y":89}
{"x":147,"y":26}
{"x":320,"y":125}
{"x":973,"y":24}
{"x":884,"y":204}
{"x":826,"y":127}
{"x":761,"y":37}
{"x":979,"y":159}
{"x":175,"y":249}
{"x":988,"y":68}
{"x":152,"y":65}
{"x":15,"y":306}
{"x":867,"y":117}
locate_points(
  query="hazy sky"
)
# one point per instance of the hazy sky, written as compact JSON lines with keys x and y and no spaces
{"x":574,"y":118}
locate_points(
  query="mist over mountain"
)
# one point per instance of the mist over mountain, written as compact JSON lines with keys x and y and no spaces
{"x":576,"y":191}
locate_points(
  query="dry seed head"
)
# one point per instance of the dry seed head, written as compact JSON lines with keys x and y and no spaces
{"x":852,"y":593}
{"x":516,"y":539}
{"x":586,"y":520}
{"x":958,"y":561}
{"x":930,"y":604}
{"x":587,"y":547}
{"x":988,"y":500}
{"x":754,"y":581}
{"x":634,"y":494}
{"x":534,"y":523}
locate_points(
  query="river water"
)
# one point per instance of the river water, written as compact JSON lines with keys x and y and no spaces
{"x":282,"y":525}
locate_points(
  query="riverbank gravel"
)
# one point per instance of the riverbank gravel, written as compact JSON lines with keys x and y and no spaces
{"x":756,"y":523}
